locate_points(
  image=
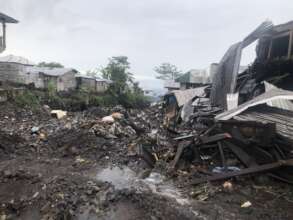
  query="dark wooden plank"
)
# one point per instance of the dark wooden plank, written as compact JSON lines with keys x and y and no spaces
{"x":246,"y":171}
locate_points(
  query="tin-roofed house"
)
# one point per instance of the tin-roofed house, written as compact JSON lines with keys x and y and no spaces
{"x":63,"y":79}
{"x":4,"y":19}
{"x":92,"y":84}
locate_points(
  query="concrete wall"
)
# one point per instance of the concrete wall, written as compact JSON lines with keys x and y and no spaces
{"x":66,"y":82}
{"x":12,"y":72}
{"x":91,"y":84}
{"x":87,"y":84}
{"x":101,"y":86}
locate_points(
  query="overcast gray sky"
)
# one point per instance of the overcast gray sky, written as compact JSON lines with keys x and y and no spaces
{"x":84,"y":33}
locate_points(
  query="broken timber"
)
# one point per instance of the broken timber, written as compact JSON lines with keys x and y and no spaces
{"x":250,"y":170}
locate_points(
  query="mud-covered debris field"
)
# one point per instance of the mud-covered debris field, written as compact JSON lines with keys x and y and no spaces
{"x":83,"y":166}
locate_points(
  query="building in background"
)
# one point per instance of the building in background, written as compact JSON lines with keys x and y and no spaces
{"x":19,"y":70}
{"x":62,"y":79}
{"x":171,"y":85}
{"x":197,"y":77}
{"x":13,"y":70}
{"x":92,"y":84}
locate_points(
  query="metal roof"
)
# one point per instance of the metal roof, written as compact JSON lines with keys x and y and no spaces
{"x":7,"y":19}
{"x":183,"y":96}
{"x":267,"y":97}
{"x":93,"y":78}
{"x":16,"y":59}
{"x":50,"y":71}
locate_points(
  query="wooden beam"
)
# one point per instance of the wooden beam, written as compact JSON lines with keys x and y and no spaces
{"x":250,"y":170}
{"x":270,"y":49}
{"x":290,"y":44}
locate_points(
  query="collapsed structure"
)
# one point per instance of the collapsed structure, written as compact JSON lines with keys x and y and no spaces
{"x":246,"y":113}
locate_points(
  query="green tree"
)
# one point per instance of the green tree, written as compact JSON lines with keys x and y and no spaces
{"x":136,"y":89}
{"x":117,"y":70}
{"x":50,"y":65}
{"x":167,"y":71}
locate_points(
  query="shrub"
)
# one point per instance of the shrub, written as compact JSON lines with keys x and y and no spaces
{"x":27,"y":99}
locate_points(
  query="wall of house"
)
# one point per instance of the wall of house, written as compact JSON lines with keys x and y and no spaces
{"x":101,"y":86}
{"x":86,"y":83}
{"x":12,"y":72}
{"x":66,"y":82}
{"x":34,"y":78}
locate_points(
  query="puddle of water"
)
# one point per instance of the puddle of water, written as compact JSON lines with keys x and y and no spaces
{"x":124,"y":178}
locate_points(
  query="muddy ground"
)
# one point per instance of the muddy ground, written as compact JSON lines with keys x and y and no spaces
{"x":79,"y":167}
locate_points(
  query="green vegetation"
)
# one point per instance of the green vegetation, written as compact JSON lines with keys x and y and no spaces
{"x":52,"y":89}
{"x":50,"y":65}
{"x":123,"y":89}
{"x":27,"y":99}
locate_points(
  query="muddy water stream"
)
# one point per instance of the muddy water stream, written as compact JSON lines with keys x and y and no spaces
{"x":125,"y":178}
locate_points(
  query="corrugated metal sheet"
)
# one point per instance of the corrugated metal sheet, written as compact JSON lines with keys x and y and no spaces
{"x":7,"y":19}
{"x":49,"y":71}
{"x":271,"y":95}
{"x":282,"y":118}
{"x":183,"y":96}
{"x":224,"y":81}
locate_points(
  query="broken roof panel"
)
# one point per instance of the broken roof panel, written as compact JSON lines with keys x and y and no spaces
{"x":282,"y":118}
{"x":183,"y":96}
{"x":224,"y":81}
{"x":7,"y":19}
{"x":267,"y":97}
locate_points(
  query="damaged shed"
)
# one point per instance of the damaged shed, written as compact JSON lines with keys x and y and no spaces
{"x":175,"y":100}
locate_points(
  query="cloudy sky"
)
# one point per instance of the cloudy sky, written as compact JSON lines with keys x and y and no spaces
{"x":84,"y":33}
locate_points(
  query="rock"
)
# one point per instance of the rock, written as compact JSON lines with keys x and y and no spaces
{"x":58,"y":114}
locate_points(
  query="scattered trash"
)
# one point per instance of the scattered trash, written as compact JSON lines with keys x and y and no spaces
{"x":108,"y":119}
{"x":246,"y":204}
{"x":58,"y":114}
{"x":227,"y":185}
{"x":117,"y":115}
{"x":35,"y":130}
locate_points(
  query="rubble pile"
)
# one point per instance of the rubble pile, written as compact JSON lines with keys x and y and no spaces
{"x":50,"y":165}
